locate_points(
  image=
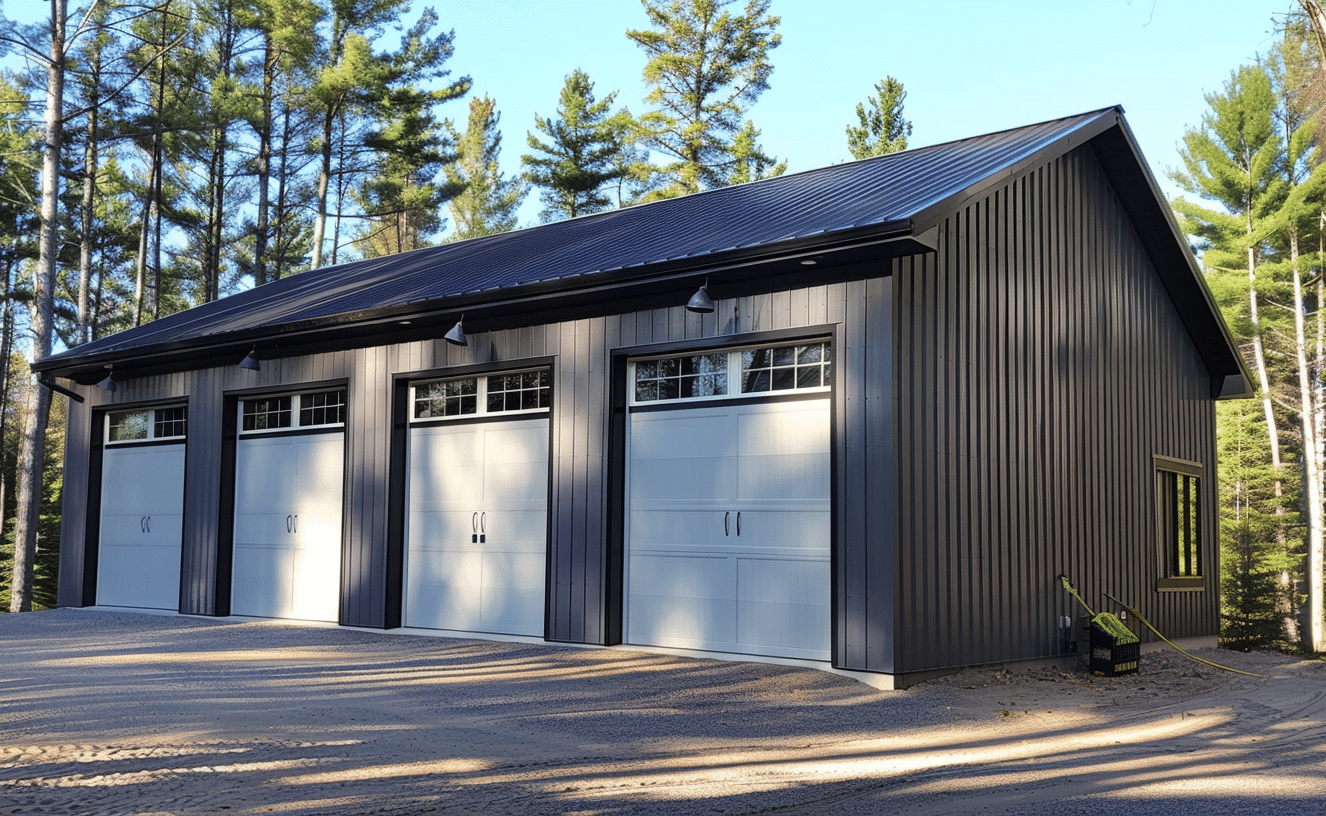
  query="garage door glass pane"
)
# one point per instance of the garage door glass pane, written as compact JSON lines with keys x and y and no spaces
{"x":447,"y":398}
{"x":324,"y":408}
{"x":523,"y":391}
{"x":686,"y":377}
{"x":266,"y":414}
{"x":129,"y":426}
{"x":785,"y":368}
{"x":170,"y":422}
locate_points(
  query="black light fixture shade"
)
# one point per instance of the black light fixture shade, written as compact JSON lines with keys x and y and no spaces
{"x":700,"y":302}
{"x":108,"y":384}
{"x":456,"y":336}
{"x":250,"y":362}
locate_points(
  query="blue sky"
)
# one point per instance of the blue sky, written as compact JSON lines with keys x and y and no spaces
{"x":969,"y":66}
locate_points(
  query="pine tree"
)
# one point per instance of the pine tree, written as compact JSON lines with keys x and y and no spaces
{"x":581,"y":160}
{"x":1255,"y":602}
{"x":749,"y":161}
{"x":881,"y":128}
{"x":489,"y":201}
{"x":706,"y":67}
{"x":1255,"y":158}
{"x":403,"y":197}
{"x":1296,"y":225}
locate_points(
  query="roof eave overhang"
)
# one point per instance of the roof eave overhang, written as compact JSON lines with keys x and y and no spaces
{"x":512,"y":306}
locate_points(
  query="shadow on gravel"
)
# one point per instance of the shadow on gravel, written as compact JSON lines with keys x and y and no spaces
{"x":104,"y":712}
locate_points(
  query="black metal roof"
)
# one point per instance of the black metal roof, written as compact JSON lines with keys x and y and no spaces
{"x":894,"y":197}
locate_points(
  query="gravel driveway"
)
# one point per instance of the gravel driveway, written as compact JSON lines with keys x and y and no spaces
{"x":118,"y":713}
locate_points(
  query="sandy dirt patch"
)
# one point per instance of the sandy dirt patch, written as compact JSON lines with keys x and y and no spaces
{"x":119,"y":713}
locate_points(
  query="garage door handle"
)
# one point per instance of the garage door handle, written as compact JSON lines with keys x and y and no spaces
{"x":483,"y":527}
{"x":725,"y":517}
{"x":738,"y":522}
{"x":142,"y":524}
{"x":288,"y":521}
{"x":295,"y":528}
{"x":474,"y":528}
{"x":149,"y":524}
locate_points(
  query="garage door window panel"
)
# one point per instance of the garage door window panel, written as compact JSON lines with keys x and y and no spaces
{"x":788,"y":367}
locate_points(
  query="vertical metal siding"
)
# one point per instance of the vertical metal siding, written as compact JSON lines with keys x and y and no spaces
{"x":1039,"y":365}
{"x":74,"y":503}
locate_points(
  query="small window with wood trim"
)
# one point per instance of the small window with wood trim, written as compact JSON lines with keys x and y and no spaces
{"x":1179,"y":522}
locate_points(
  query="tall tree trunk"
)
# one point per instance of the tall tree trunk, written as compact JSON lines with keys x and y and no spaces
{"x":269,"y":64}
{"x":340,"y":192}
{"x":1315,"y":634}
{"x":90,"y":160}
{"x":140,"y":264}
{"x":6,"y":351}
{"x":1259,"y":358}
{"x":324,"y":182}
{"x":32,"y":446}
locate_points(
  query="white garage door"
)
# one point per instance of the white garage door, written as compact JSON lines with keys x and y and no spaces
{"x":477,"y":505}
{"x":288,"y":497}
{"x":142,"y":506}
{"x":729,"y":504}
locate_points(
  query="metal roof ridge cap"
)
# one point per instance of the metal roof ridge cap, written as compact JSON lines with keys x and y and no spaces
{"x":1102,"y":120}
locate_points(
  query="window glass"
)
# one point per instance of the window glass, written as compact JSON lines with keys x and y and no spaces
{"x":686,"y":377}
{"x":785,"y":368}
{"x":267,"y":413}
{"x":446,"y":398}
{"x":522,"y":391}
{"x":170,"y":422}
{"x":491,"y":394}
{"x":1178,"y":505}
{"x":128,"y":426}
{"x":322,"y":408}
{"x":147,"y":424}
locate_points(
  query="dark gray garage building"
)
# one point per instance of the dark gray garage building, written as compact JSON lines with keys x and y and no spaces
{"x":931,"y":383}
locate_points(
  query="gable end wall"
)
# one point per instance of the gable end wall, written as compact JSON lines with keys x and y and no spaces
{"x":1040,"y":365}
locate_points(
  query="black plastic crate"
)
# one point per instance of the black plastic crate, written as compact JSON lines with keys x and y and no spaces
{"x":1111,"y":658}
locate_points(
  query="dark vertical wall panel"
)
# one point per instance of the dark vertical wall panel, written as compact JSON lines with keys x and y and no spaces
{"x":74,"y":503}
{"x":202,"y":494}
{"x":1040,"y":365}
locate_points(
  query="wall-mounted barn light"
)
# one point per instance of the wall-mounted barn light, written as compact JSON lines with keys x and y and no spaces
{"x":456,"y":336}
{"x":250,"y":361}
{"x":700,"y":302}
{"x":108,"y":384}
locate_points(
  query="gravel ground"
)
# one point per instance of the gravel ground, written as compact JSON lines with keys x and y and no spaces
{"x":119,"y":713}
